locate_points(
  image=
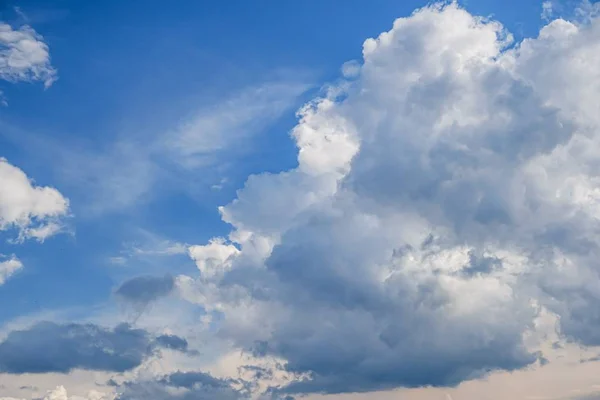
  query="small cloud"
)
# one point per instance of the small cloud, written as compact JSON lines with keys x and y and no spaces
{"x":142,"y":290}
{"x":51,"y":347}
{"x":8,"y":267}
{"x":152,"y":246}
{"x":172,"y":342}
{"x":220,"y":185}
{"x":24,"y":56}
{"x":547,"y":10}
{"x":34,"y":211}
{"x":118,"y":260}
{"x":351,"y":69}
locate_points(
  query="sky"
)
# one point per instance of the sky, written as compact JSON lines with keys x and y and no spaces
{"x":317,"y":200}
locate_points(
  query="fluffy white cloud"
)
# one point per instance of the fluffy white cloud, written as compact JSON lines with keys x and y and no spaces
{"x":442,"y":198}
{"x":24,"y":56}
{"x":8,"y":267}
{"x":33,"y":210}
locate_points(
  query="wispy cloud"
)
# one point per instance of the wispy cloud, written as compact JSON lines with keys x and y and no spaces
{"x":124,"y":172}
{"x":228,"y":126}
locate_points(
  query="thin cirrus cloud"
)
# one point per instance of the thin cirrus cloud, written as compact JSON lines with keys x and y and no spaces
{"x":210,"y":137}
{"x":24,"y":56}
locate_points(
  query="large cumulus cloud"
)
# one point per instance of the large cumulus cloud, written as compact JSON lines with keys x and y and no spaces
{"x":443,"y":196}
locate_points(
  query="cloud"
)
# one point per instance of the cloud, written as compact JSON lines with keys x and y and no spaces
{"x":8,"y":267}
{"x":209,"y":139}
{"x":51,"y":347}
{"x":442,"y":198}
{"x":189,"y":385}
{"x":148,"y":246}
{"x":60,"y":393}
{"x":34,"y":211}
{"x":547,"y":10}
{"x":24,"y":56}
{"x":142,"y":290}
{"x":227,"y":126}
{"x":172,"y":342}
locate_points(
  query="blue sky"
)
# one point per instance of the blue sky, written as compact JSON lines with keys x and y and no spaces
{"x":131,"y":123}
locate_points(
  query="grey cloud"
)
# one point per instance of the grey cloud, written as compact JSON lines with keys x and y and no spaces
{"x":195,"y":385}
{"x":591,"y":359}
{"x":142,"y":290}
{"x":50,"y":347}
{"x":355,"y":335}
{"x":172,"y":342}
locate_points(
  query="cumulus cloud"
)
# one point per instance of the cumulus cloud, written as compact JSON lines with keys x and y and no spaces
{"x":24,"y":56}
{"x":442,"y":198}
{"x":51,"y":347}
{"x":8,"y":267}
{"x":34,"y":211}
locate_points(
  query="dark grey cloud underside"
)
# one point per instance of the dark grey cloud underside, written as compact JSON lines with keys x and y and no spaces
{"x":51,"y":347}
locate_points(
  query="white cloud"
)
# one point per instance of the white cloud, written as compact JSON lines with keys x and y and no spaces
{"x":8,"y":267}
{"x":34,"y":211}
{"x":452,"y":182}
{"x":24,"y":56}
{"x":214,"y":258}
